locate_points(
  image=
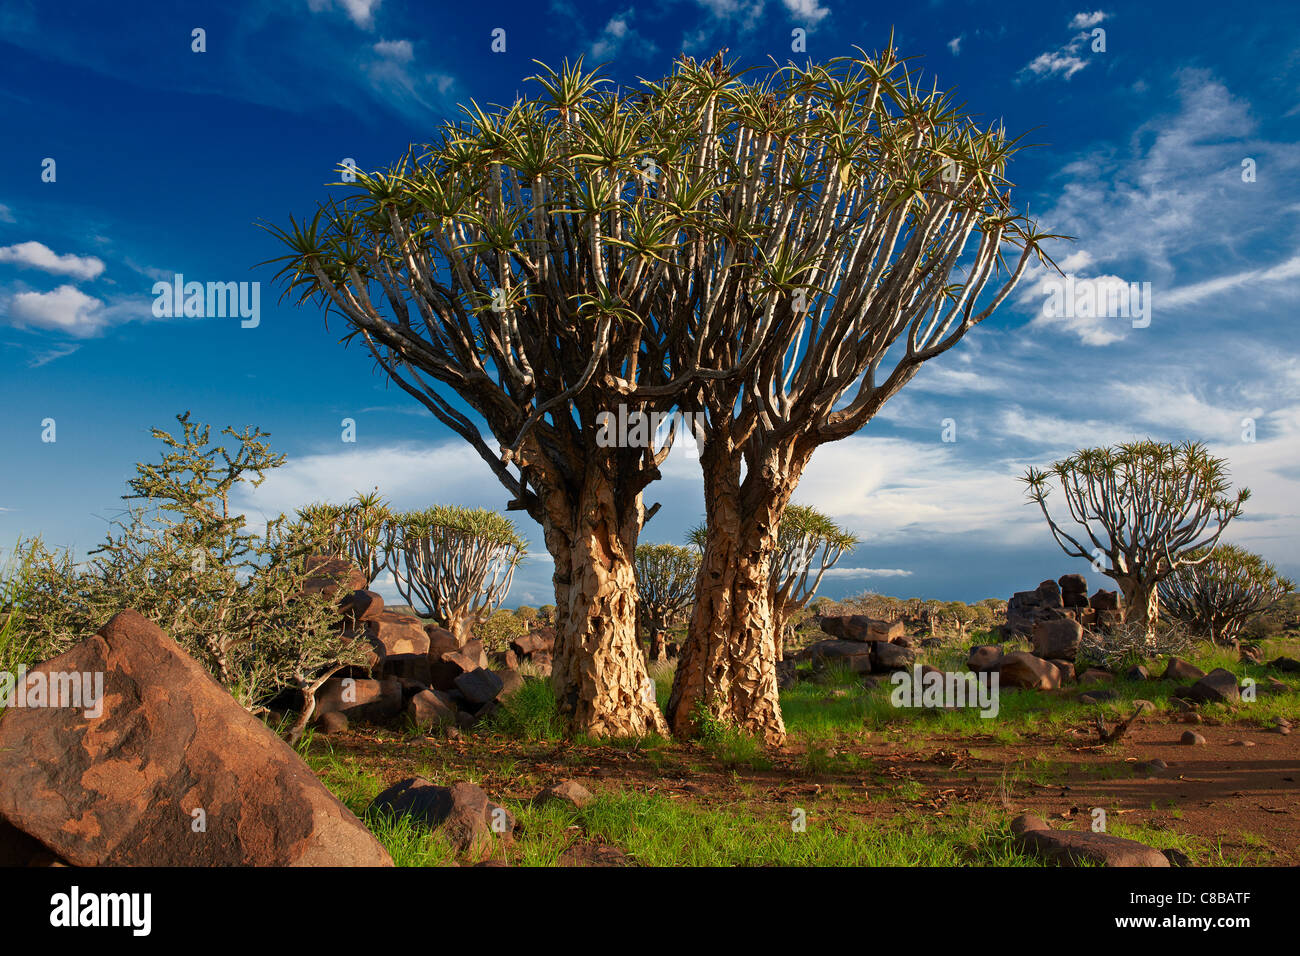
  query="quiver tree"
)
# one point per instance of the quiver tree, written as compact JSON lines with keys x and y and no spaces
{"x":665,"y":580}
{"x":454,"y":563}
{"x":545,"y":264}
{"x":864,"y":220}
{"x":354,"y":531}
{"x":1221,"y":591}
{"x":1146,"y":509}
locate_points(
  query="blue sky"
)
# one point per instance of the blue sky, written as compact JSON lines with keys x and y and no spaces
{"x":166,"y":158}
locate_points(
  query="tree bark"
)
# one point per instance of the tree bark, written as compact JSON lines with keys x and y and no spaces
{"x":1141,"y":605}
{"x":727,"y":665}
{"x":599,"y":671}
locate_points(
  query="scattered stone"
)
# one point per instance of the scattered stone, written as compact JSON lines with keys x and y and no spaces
{"x":333,"y":723}
{"x":1150,"y":767}
{"x":1071,"y":847}
{"x":512,"y":682}
{"x":1288,"y":665}
{"x":1177,"y":857}
{"x":118,"y":789}
{"x":430,"y":709}
{"x":854,"y":654}
{"x":463,"y":812}
{"x":594,"y":854}
{"x":1191,"y":738}
{"x":1281,"y":726}
{"x":1137,"y":672}
{"x":566,"y":791}
{"x":860,"y":627}
{"x":1217,"y":687}
{"x":361,"y":606}
{"x":1057,"y":638}
{"x":1241,"y":743}
{"x":1095,"y":675}
{"x":1065,"y":667}
{"x":1179,"y":669}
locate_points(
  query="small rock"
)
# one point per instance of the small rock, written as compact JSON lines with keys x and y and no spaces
{"x":566,"y":791}
{"x":1179,"y":669}
{"x":1191,"y":738}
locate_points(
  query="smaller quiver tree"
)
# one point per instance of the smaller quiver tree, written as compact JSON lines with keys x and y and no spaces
{"x":1146,"y":508}
{"x":353,"y":531}
{"x":809,"y":544}
{"x":1218,"y":594}
{"x":665,"y":581}
{"x":454,"y":563}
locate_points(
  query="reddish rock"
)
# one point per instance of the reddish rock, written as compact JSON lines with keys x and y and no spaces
{"x":332,"y":723}
{"x":119,"y":789}
{"x":463,"y":812}
{"x":566,"y":791}
{"x":1057,"y":638}
{"x":1179,"y":669}
{"x":1021,"y":669}
{"x":1075,"y":847}
{"x":441,"y":641}
{"x":430,"y":709}
{"x":361,"y":606}
{"x":512,"y":682}
{"x":984,"y":657}
{"x":360,"y":699}
{"x":447,"y":668}
{"x":859,"y":627}
{"x":332,"y":576}
{"x":1219,"y":686}
{"x":1104,"y":600}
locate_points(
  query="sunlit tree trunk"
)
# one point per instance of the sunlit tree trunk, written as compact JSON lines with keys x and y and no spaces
{"x":599,"y":671}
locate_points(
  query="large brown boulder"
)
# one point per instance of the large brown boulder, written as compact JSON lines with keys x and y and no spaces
{"x":125,"y":788}
{"x":1021,"y":669}
{"x":860,"y":627}
{"x":1057,"y":638}
{"x":1219,"y":686}
{"x":360,"y":698}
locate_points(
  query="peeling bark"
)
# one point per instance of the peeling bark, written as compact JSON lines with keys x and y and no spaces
{"x":599,"y":671}
{"x":727,"y":665}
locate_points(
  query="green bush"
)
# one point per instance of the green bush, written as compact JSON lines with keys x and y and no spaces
{"x":183,"y":558}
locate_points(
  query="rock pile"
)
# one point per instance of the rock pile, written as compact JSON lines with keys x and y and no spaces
{"x":1065,"y":599}
{"x":412,"y":668}
{"x":864,"y":644}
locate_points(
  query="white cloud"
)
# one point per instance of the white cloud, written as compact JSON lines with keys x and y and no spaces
{"x":867,"y":573}
{"x":36,"y":255}
{"x":65,"y":309}
{"x":954,"y":45}
{"x":1083,"y":21}
{"x":611,"y":38}
{"x":6,"y":214}
{"x":806,"y":11}
{"x":1196,"y":292}
{"x":399,"y":50}
{"x":1057,"y":63}
{"x":360,"y":12}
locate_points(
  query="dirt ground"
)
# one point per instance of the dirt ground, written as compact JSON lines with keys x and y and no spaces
{"x":1244,"y":797}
